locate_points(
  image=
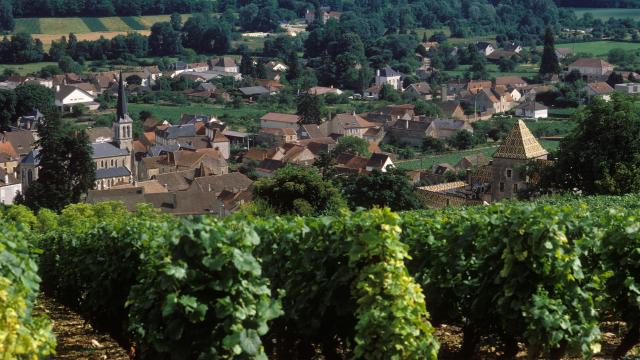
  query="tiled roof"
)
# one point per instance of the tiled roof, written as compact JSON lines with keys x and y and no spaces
{"x":102,"y":150}
{"x":520,"y":144}
{"x":234,"y":181}
{"x":280,"y":117}
{"x":352,"y":121}
{"x":600,"y":88}
{"x":21,"y":140}
{"x":112,"y":172}
{"x":99,"y":132}
{"x":590,"y":62}
{"x":510,"y":80}
{"x":225,"y":62}
{"x":7,"y":149}
{"x":377,"y":160}
{"x":254,"y":90}
{"x":445,"y":186}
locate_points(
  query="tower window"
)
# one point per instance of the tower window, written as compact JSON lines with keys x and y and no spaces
{"x":515,"y":188}
{"x":501,"y":187}
{"x":509,"y":173}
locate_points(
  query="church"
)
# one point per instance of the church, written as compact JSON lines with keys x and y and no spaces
{"x":113,"y":156}
{"x":114,"y":160}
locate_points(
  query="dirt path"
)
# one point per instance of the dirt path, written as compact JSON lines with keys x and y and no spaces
{"x":77,"y":340}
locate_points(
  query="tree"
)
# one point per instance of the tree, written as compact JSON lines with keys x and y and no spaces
{"x":164,"y":40}
{"x":549,"y":63}
{"x":295,"y":69}
{"x":428,"y":109}
{"x":176,"y":21}
{"x":602,"y":154}
{"x":462,"y":140}
{"x":8,"y":101}
{"x":33,"y":96}
{"x":325,"y":164}
{"x":67,"y":170}
{"x":261,"y":70}
{"x":6,"y":16}
{"x":299,"y":191}
{"x":310,"y":109}
{"x":68,"y":65}
{"x":432,"y":145}
{"x":478,"y":69}
{"x":246,"y":66}
{"x":384,"y":189}
{"x":506,"y":64}
{"x":615,"y":78}
{"x":388,"y":93}
{"x":133,"y":80}
{"x":352,"y":145}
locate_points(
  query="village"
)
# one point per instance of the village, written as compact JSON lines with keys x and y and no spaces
{"x":187,"y":166}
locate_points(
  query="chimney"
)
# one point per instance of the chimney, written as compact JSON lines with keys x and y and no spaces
{"x":468,"y":176}
{"x":57,"y":88}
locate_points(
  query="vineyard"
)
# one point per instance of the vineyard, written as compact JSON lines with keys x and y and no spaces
{"x":538,"y":277}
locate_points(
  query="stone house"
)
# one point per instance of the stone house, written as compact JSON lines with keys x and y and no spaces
{"x":388,"y":76}
{"x":591,"y":67}
{"x":418,"y":91}
{"x":279,"y":120}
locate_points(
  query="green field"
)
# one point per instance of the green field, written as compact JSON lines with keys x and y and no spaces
{"x":525,"y":70}
{"x":81,"y":25}
{"x":598,"y":48}
{"x":24,"y":69}
{"x":238,"y":119}
{"x":606,"y":13}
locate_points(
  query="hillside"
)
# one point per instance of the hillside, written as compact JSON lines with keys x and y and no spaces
{"x":507,"y":279}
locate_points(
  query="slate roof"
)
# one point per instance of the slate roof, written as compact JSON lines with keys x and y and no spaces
{"x":600,"y":88}
{"x":32,"y":158}
{"x":112,"y":172}
{"x":520,"y":144}
{"x":387,"y":71}
{"x":160,"y":149}
{"x":103,"y":150}
{"x":253,"y":90}
{"x":99,"y":132}
{"x":234,"y":181}
{"x":377,"y":160}
{"x":21,"y":140}
{"x":175,"y":132}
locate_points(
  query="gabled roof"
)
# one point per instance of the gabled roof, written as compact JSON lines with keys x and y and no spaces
{"x":106,"y":133}
{"x":520,"y":144}
{"x":377,"y":160}
{"x":225,"y":62}
{"x":421,"y":88}
{"x":352,"y":121}
{"x":107,"y":173}
{"x":280,"y":117}
{"x":387,"y":71}
{"x":234,"y":182}
{"x":253,"y":90}
{"x":33,"y":158}
{"x":103,"y":150}
{"x":66,"y":90}
{"x":600,"y":88}
{"x":7,"y":149}
{"x":590,"y":62}
{"x":510,"y":80}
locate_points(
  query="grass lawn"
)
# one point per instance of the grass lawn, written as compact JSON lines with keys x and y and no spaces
{"x":24,"y":69}
{"x":63,"y":25}
{"x":598,"y":48}
{"x":606,"y":13}
{"x":453,"y":157}
{"x":524,"y":70}
{"x":238,"y":119}
{"x":253,"y":43}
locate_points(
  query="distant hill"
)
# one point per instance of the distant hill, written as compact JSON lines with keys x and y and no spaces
{"x":599,"y":3}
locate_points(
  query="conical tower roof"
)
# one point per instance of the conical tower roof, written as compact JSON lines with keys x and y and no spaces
{"x":520,"y":144}
{"x":122,"y":113}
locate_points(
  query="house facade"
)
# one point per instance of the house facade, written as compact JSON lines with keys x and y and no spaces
{"x":388,"y":76}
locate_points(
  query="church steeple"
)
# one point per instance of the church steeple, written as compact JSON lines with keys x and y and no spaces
{"x":123,"y":124}
{"x":122,"y":100}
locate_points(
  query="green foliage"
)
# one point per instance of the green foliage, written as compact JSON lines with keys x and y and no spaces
{"x":206,"y":299}
{"x":22,"y":335}
{"x":362,"y":300}
{"x":352,"y":145}
{"x":310,"y":109}
{"x":602,"y":154}
{"x":33,"y":96}
{"x":549,"y":63}
{"x":462,"y":140}
{"x":390,"y":189}
{"x":297,"y":190}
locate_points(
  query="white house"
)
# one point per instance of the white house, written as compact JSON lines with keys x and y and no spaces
{"x":630,"y":88}
{"x":69,"y":96}
{"x":380,"y":162}
{"x":389,"y":76}
{"x":225,"y":64}
{"x":10,"y":186}
{"x":485,"y":48}
{"x":532,"y":110}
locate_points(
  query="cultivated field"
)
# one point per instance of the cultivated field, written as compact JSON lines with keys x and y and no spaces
{"x":79,"y":25}
{"x":606,"y":13}
{"x":598,"y":48}
{"x":524,"y":70}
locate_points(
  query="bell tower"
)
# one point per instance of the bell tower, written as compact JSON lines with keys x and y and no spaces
{"x":123,"y":124}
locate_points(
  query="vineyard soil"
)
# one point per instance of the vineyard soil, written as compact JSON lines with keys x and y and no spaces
{"x":76,"y":338}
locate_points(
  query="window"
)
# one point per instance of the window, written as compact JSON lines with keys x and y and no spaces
{"x":501,"y":187}
{"x":515,"y":188}
{"x":509,"y":173}
{"x":111,"y":162}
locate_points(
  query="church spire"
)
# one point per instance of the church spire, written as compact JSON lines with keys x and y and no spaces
{"x":122,"y":100}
